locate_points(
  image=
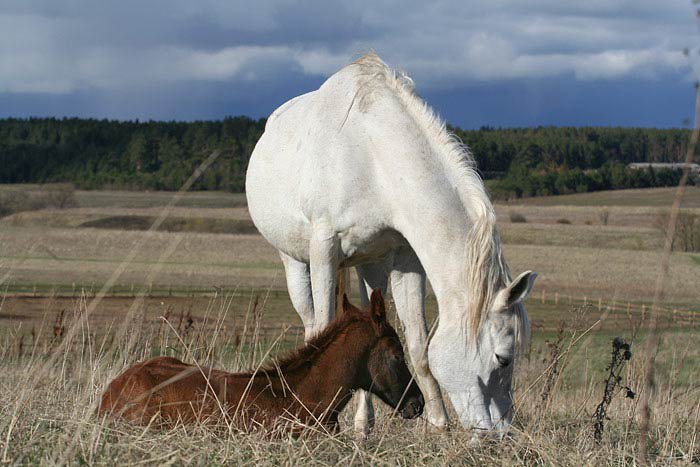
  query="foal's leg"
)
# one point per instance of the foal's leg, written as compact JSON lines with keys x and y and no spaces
{"x":408,"y":292}
{"x":324,"y":257}
{"x":370,"y":277}
{"x":299,"y":287}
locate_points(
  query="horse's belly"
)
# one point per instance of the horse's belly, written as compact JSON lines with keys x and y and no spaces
{"x":360,"y":247}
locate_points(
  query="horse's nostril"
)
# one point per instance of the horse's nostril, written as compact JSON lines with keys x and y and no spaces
{"x":503,"y":361}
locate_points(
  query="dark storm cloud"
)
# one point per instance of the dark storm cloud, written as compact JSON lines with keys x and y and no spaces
{"x":147,"y":58}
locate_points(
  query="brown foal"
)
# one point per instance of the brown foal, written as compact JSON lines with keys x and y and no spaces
{"x":358,"y":350}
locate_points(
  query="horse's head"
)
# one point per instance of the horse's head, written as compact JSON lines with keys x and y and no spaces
{"x":478,"y":377}
{"x":387,"y":375}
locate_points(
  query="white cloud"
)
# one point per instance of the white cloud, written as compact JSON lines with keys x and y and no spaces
{"x":50,"y":49}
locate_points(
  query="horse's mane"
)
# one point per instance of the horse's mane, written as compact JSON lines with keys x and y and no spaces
{"x":485,"y":270}
{"x":306,"y":355}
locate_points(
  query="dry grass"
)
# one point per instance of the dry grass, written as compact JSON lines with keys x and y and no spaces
{"x":89,"y":256}
{"x":609,"y":273}
{"x":49,"y":388}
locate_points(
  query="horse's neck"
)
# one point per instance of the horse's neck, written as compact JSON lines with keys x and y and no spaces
{"x":436,"y":217}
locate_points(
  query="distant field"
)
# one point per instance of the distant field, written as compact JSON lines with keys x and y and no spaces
{"x":655,"y":197}
{"x":576,"y":249}
{"x":144,"y":199}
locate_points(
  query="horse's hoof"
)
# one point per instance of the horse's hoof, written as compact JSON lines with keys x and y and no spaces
{"x":438,"y":426}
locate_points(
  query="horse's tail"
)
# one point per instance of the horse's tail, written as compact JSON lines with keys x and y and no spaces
{"x":341,"y":280}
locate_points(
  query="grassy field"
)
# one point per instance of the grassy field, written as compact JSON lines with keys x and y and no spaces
{"x":52,"y":379}
{"x":205,"y":289}
{"x":655,"y":197}
{"x":214,"y":244}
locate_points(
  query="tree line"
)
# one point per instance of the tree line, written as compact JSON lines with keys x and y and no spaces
{"x":104,"y":154}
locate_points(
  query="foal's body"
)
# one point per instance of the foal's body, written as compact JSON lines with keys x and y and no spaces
{"x":359,"y":350}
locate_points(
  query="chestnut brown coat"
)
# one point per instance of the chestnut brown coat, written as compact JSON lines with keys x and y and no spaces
{"x":358,"y":350}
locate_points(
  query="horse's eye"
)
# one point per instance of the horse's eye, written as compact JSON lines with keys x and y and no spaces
{"x":503,"y":361}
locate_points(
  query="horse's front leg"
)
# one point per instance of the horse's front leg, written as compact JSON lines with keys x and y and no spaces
{"x":408,"y":291}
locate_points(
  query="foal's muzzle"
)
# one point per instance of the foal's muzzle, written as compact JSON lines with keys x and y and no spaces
{"x":413,"y":405}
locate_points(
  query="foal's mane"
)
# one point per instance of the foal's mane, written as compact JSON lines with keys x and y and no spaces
{"x":303,"y":357}
{"x":484,"y":271}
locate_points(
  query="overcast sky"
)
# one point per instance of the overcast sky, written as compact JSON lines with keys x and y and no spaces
{"x":484,"y":62}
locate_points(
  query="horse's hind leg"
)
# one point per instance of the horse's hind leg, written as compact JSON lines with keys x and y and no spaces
{"x":408,"y":292}
{"x":299,"y":287}
{"x":324,"y":257}
{"x":370,"y":276}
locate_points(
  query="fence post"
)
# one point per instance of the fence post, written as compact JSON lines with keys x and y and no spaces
{"x":600,"y":304}
{"x":556,"y":298}
{"x":644,"y":312}
{"x":544,"y":293}
{"x":585,"y":300}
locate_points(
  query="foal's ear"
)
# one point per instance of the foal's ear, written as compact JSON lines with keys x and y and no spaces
{"x":346,"y":302}
{"x":376,"y":308}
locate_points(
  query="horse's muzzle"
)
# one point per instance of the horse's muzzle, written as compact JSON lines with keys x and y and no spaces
{"x":413,"y":406}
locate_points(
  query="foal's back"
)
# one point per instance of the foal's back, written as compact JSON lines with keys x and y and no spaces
{"x":169,"y":388}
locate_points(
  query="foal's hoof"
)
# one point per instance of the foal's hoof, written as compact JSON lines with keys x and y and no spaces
{"x":362,"y":435}
{"x":363,"y":429}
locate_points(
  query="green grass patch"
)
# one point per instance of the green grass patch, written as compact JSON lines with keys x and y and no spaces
{"x":174,"y":224}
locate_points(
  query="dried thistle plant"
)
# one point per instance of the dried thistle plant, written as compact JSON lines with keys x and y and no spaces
{"x":621,"y":353}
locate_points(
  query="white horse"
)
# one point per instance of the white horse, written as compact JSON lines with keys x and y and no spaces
{"x":362,"y":173}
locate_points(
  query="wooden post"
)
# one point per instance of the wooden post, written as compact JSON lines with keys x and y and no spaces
{"x":600,"y":304}
{"x":585,"y":300}
{"x":544,"y":294}
{"x":556,"y":298}
{"x":644,"y":312}
{"x":675,"y":315}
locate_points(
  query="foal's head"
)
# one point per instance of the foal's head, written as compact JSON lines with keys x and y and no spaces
{"x":386,"y":374}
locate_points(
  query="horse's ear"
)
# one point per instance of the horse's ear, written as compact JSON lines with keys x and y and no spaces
{"x":519,"y":289}
{"x":346,"y":302}
{"x":376,"y":308}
